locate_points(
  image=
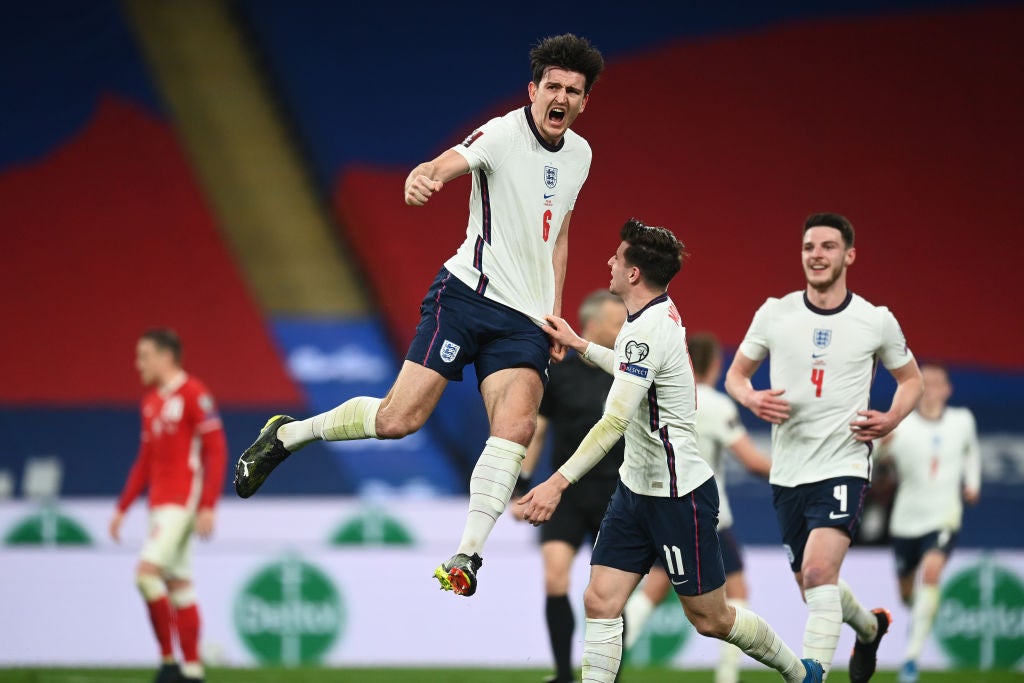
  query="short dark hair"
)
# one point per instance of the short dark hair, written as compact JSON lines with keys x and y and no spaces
{"x":703,"y":348}
{"x":655,"y":251}
{"x":569,"y":52}
{"x":165,"y":339}
{"x":591,"y":306}
{"x":832,"y":220}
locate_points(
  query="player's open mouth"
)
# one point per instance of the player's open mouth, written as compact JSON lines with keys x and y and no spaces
{"x":556,"y":115}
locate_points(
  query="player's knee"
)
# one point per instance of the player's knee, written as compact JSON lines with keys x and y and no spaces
{"x":394,"y":425}
{"x":555,"y":582}
{"x":814,"y":575}
{"x":596,"y":605}
{"x":151,"y":586}
{"x":181,"y":593}
{"x":518,"y":431}
{"x":709,"y":625}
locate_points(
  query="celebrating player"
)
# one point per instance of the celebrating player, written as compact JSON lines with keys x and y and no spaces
{"x":665,"y":507}
{"x":718,"y":428}
{"x":824,"y":343}
{"x":488,"y":301}
{"x":573,"y":402}
{"x":182,"y":460}
{"x":938,"y":464}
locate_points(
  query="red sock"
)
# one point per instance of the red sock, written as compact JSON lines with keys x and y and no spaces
{"x":160,"y":615}
{"x":188,"y":632}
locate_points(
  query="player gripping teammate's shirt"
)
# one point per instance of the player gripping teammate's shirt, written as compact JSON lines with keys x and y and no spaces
{"x":934,"y":459}
{"x":661,"y":457}
{"x":825,"y":360}
{"x":522,"y":189}
{"x":718,"y":427}
{"x":182,"y":457}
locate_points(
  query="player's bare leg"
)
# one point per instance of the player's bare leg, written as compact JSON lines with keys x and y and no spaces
{"x":713,"y":617}
{"x":405,"y":409}
{"x":149,"y":578}
{"x":643,"y":602}
{"x":511,"y":397}
{"x":558,"y":557}
{"x":186,"y":621}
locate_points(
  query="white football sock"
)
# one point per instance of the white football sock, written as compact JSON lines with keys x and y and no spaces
{"x":602,"y":650}
{"x":864,"y":622}
{"x":728,"y":668}
{"x":922,"y":614}
{"x":754,"y":636}
{"x":354,"y":419}
{"x":824,"y":622}
{"x":636,"y":613}
{"x":490,"y":488}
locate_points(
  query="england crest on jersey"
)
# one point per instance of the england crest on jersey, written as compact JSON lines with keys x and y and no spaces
{"x":550,"y":176}
{"x":822,"y":337}
{"x":449,"y":350}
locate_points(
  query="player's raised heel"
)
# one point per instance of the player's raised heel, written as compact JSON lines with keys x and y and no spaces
{"x":260,"y":459}
{"x":815,"y":672}
{"x":458,"y":574}
{"x":908,"y":672}
{"x":864,"y":657}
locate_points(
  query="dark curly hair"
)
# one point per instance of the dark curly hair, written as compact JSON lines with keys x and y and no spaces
{"x":655,"y":251}
{"x":832,"y":220}
{"x":569,"y":52}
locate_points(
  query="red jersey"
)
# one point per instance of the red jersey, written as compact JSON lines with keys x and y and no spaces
{"x":183,"y":454}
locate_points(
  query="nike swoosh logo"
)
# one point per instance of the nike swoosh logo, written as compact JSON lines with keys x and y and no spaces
{"x":549,"y":196}
{"x":833,"y":515}
{"x":817,"y":355}
{"x":679,"y":583}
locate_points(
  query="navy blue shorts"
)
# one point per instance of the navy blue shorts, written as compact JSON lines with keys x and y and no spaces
{"x":638,"y":531}
{"x":836,"y":503}
{"x":732,"y":559}
{"x":909,"y":551}
{"x":458,"y":327}
{"x":579,"y":514}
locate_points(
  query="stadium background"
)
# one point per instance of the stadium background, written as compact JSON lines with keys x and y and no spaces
{"x":233,"y":170}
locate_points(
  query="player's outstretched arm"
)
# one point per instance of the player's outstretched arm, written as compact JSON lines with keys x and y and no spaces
{"x":875,"y":424}
{"x":559,"y":262}
{"x":428,"y":178}
{"x":533,"y":453}
{"x":765,"y":403}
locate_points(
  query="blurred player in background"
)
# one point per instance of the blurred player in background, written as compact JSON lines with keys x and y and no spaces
{"x":665,"y":506}
{"x":182,"y":462}
{"x":938,"y":464}
{"x":824,"y":344}
{"x":573,"y":402}
{"x":488,"y":301}
{"x":718,"y":429}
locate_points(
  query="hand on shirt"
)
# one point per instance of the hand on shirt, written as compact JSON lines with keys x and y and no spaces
{"x":767,"y":405}
{"x":875,"y":425}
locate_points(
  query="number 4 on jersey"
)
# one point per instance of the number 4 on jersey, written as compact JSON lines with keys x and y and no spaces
{"x":817,"y":378}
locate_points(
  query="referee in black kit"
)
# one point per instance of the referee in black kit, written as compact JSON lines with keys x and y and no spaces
{"x":573,"y":402}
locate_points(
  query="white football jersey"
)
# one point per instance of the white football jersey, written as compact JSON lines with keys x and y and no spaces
{"x":934,"y":459}
{"x":661,"y":456}
{"x":522,"y":189}
{"x":825,"y":360}
{"x":718,"y":427}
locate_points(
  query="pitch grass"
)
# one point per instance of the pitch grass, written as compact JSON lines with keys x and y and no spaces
{"x":323,"y":675}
